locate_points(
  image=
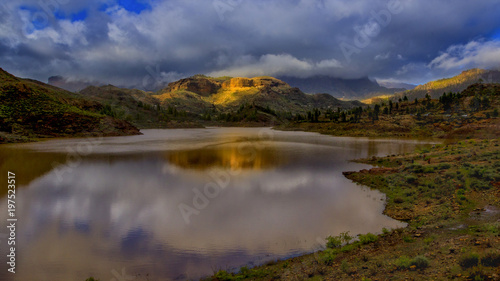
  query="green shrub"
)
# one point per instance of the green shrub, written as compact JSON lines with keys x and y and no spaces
{"x":349,"y":247}
{"x":411,"y":179}
{"x":328,"y":256}
{"x":491,"y":260}
{"x":479,"y":184}
{"x":398,"y":200}
{"x":477,"y":274}
{"x":333,"y":242}
{"x":493,"y":228}
{"x":403,"y":262}
{"x":469,"y":260}
{"x":429,"y":239}
{"x":428,"y":169}
{"x":444,"y":166}
{"x":385,"y":231}
{"x":408,"y":239}
{"x":420,"y":262}
{"x":415,"y":168}
{"x":345,"y":237}
{"x":223,"y":275}
{"x":367,"y":238}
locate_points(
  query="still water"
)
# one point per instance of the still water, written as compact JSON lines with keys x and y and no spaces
{"x":179,"y":204}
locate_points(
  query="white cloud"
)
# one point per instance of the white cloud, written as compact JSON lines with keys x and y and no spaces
{"x":480,"y":54}
{"x":187,"y":36}
{"x":332,"y":63}
{"x":409,"y":68}
{"x":382,"y":56}
{"x":276,"y":65}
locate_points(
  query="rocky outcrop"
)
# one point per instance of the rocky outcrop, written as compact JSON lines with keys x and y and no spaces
{"x":238,"y":83}
{"x":269,"y":82}
{"x":200,"y":85}
{"x":205,"y":86}
{"x":252,"y":82}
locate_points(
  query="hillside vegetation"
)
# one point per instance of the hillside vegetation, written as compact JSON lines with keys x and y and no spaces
{"x":202,"y":92}
{"x":30,"y":109}
{"x":454,"y":84}
{"x":205,"y":101}
{"x":33,"y":109}
{"x":471,"y":113}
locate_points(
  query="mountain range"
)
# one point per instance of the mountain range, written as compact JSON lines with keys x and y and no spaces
{"x":34,"y":109}
{"x":351,"y":89}
{"x":200,"y":93}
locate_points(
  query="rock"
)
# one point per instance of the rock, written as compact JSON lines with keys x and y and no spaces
{"x":199,"y":85}
{"x":238,"y":83}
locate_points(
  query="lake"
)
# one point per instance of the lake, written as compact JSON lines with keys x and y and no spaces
{"x":180,"y":204}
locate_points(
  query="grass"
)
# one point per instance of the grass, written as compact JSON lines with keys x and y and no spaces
{"x":367,"y":238}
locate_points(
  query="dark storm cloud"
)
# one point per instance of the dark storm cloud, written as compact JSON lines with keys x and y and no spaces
{"x":146,"y":43}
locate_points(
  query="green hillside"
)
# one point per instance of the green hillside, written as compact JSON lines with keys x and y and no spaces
{"x":31,"y":109}
{"x":140,"y":108}
{"x":474,"y":112}
{"x":454,"y":84}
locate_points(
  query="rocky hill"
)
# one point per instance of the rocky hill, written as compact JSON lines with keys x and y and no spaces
{"x":352,"y":89}
{"x":454,"y":84}
{"x":31,"y":109}
{"x":200,"y":93}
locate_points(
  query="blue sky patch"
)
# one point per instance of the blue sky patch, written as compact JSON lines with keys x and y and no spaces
{"x":59,"y":15}
{"x":496,"y":35}
{"x":135,"y":6}
{"x":80,"y":16}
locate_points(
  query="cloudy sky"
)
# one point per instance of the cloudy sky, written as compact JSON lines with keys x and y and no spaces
{"x":139,"y":43}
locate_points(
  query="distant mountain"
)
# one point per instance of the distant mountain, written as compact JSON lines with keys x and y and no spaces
{"x":358,"y":89}
{"x":69,"y":85}
{"x":31,"y":108}
{"x":397,"y":85}
{"x":454,"y":84}
{"x":200,"y":93}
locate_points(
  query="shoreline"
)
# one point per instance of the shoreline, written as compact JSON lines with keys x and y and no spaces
{"x":462,"y":221}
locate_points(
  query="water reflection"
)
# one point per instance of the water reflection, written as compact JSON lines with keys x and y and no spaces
{"x":244,"y":155}
{"x":120,"y":210}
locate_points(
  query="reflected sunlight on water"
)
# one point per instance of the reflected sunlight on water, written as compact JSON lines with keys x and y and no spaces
{"x":117,"y":206}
